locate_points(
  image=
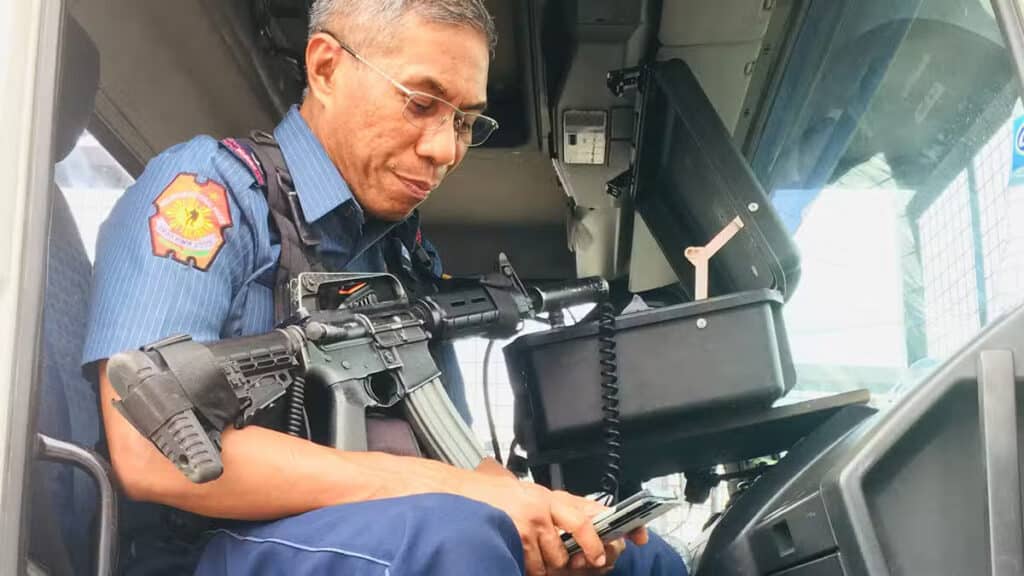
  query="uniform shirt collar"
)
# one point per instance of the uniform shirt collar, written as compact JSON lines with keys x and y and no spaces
{"x":317,"y":181}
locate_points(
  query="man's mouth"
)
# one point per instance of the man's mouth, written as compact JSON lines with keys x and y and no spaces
{"x":420,"y":189}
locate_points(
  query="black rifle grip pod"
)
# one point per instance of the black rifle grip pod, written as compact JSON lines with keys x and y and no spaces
{"x":153,"y":401}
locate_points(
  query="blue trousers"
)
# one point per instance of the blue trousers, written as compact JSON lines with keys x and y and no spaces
{"x":429,"y":535}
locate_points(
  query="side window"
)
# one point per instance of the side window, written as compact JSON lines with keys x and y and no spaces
{"x":91,"y":181}
{"x":972,"y":257}
{"x":896,"y":280}
{"x":897,"y":177}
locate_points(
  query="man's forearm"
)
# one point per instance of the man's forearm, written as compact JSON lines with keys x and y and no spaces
{"x":266,"y":474}
{"x":270,"y":475}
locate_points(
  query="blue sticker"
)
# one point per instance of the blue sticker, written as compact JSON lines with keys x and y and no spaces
{"x":1017,"y":168}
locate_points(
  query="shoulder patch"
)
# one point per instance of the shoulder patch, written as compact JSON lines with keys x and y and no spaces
{"x":190,"y":221}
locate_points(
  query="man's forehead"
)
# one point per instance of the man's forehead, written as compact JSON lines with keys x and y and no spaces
{"x":446,"y":60}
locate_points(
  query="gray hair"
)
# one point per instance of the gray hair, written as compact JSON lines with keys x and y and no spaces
{"x":362,"y":21}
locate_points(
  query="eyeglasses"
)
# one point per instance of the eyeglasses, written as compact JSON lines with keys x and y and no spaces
{"x":428,"y":112}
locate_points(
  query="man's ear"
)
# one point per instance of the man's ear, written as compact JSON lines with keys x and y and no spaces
{"x":322,"y":60}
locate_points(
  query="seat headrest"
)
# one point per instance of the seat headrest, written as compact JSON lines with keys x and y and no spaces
{"x":79,"y":70}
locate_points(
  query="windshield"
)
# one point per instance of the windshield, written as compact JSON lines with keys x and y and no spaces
{"x":889,"y":151}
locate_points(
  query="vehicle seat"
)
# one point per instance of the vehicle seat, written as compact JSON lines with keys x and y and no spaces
{"x":64,"y":499}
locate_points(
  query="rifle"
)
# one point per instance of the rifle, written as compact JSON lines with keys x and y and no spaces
{"x":357,"y":336}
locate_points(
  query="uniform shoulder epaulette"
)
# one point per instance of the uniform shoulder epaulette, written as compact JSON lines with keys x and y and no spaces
{"x":242,"y":151}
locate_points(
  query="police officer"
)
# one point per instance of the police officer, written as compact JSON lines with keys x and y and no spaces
{"x":395,"y":98}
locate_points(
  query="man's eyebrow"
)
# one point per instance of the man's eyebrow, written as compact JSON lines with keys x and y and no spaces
{"x":433,"y":85}
{"x":430,"y":84}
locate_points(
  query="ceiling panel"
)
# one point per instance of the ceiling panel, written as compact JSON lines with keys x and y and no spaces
{"x":167,"y":73}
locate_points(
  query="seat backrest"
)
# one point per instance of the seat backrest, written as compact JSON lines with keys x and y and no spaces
{"x":63,"y":500}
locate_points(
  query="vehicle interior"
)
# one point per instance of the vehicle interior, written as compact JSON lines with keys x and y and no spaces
{"x":844,"y":175}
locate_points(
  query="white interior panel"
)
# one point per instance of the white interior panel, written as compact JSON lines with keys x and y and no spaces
{"x":168,"y":74}
{"x":648,"y":267}
{"x":498,"y":186}
{"x":690,"y":22}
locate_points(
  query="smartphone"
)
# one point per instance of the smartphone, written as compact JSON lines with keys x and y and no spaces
{"x":629,"y":514}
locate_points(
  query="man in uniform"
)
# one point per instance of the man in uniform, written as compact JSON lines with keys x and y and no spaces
{"x":395,"y":95}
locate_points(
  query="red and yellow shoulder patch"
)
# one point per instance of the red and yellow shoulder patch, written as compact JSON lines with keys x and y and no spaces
{"x":190,"y":220}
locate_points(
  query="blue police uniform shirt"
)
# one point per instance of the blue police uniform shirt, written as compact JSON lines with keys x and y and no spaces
{"x":139,"y":297}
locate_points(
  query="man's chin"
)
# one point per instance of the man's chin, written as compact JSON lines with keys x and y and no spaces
{"x":392,"y":213}
{"x":393,"y":209}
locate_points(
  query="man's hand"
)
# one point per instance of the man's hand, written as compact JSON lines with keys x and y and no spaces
{"x":539,"y":513}
{"x":578,"y":565}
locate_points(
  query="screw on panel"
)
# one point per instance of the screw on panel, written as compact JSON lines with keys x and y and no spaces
{"x":753,"y":207}
{"x":346,"y":364}
{"x":702,"y":323}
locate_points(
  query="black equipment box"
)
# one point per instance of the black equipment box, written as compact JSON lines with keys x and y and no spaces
{"x":724,"y":353}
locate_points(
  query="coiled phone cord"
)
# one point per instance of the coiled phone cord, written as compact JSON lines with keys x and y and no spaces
{"x":611,"y":424}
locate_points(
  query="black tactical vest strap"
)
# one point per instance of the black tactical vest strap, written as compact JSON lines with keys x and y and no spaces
{"x":298,"y":240}
{"x":404,"y":253}
{"x":407,"y":258}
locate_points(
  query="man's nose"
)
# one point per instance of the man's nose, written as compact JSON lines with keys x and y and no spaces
{"x":440,"y":146}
